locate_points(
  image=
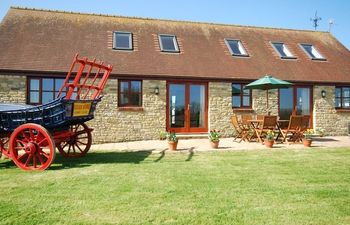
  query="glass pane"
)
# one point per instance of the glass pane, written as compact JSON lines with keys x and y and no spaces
{"x":279,"y":48}
{"x":124,"y":86}
{"x":286,"y":103}
{"x":47,"y":97}
{"x":346,"y":103}
{"x":346,"y":92}
{"x":236,"y":101}
{"x":246,"y":100}
{"x":177,"y":105}
{"x":303,"y":101}
{"x":136,"y":86}
{"x":47,"y":84}
{"x":58,"y":84}
{"x":123,"y":98}
{"x":168,"y":43}
{"x":122,"y":40}
{"x":34,"y":97}
{"x":197,"y":104}
{"x":236,"y":89}
{"x":308,"y":48}
{"x":337,"y":102}
{"x":135,"y":99}
{"x":338,"y":92}
{"x":234,"y":47}
{"x":34,"y":85}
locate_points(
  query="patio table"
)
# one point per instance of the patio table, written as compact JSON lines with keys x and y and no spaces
{"x":255,"y":123}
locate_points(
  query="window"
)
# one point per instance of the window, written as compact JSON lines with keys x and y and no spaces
{"x":241,"y":98}
{"x":130,"y":93}
{"x":312,"y":52}
{"x":168,"y":43}
{"x":236,"y":48}
{"x":122,"y":40}
{"x":342,"y":97}
{"x":282,"y":50}
{"x":43,"y":90}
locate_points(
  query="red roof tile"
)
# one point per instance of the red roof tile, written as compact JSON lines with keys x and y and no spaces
{"x":42,"y":40}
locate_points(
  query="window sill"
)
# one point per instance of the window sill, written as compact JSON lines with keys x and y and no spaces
{"x":342,"y":110}
{"x":242,"y":110}
{"x":131,"y":109}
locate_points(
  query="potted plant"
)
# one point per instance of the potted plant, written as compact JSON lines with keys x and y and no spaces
{"x":320,"y":132}
{"x":307,"y":140}
{"x":214,"y":138}
{"x":269,"y":139}
{"x":162,"y":135}
{"x":172,"y":141}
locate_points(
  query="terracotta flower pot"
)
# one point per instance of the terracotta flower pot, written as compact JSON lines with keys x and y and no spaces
{"x":172,"y":145}
{"x":214,"y":144}
{"x":269,"y":143}
{"x":307,"y":142}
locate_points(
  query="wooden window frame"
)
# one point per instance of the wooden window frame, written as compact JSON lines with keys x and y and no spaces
{"x":241,"y":94}
{"x":40,"y":88}
{"x":341,"y":98}
{"x":129,"y":93}
{"x":115,"y":47}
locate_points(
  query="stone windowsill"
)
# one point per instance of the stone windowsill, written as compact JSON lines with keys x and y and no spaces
{"x":342,"y":110}
{"x":243,"y":110}
{"x":131,"y":109}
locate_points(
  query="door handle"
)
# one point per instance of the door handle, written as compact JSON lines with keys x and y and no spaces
{"x":188,"y":107}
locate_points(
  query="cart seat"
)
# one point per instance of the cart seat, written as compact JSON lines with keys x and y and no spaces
{"x":10,"y":107}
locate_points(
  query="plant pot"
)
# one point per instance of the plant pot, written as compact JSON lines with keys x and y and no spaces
{"x":307,"y":142}
{"x":162,"y":138}
{"x":172,"y":145}
{"x":269,"y":143}
{"x":214,"y":144}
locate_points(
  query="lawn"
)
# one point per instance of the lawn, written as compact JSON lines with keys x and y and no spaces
{"x":306,"y":186}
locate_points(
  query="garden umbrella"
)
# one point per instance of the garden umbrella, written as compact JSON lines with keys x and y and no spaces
{"x":266,"y":83}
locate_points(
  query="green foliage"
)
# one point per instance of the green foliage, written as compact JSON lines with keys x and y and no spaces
{"x":308,"y":134}
{"x":214,"y":135}
{"x":171,"y":136}
{"x":270,"y":135}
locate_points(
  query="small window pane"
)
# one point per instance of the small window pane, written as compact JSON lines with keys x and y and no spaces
{"x":34,"y":85}
{"x":236,"y":89}
{"x":346,"y":103}
{"x":47,"y":84}
{"x":135,"y":99}
{"x":136,"y":86}
{"x":47,"y":97}
{"x":282,"y":49}
{"x":346,"y":92}
{"x":338,"y":102}
{"x":311,"y":50}
{"x":124,"y":86}
{"x":124,"y":99}
{"x":168,"y":43}
{"x":58,"y":84}
{"x":34,"y":97}
{"x":122,"y":40}
{"x":236,"y":47}
{"x":236,"y":101}
{"x":338,"y":92}
{"x":246,"y":100}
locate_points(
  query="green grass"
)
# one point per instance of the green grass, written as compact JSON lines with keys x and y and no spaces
{"x":247,"y":187}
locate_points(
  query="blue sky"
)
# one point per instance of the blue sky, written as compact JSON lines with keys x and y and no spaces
{"x":294,"y":14}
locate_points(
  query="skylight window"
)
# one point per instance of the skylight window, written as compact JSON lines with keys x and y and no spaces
{"x":122,"y":40}
{"x":282,"y":50}
{"x":168,"y":43}
{"x":312,"y":52}
{"x":236,"y":48}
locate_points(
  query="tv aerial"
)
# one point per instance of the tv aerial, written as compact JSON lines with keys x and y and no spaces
{"x":315,"y":20}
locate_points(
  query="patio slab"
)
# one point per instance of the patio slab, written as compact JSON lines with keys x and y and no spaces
{"x":226,"y":144}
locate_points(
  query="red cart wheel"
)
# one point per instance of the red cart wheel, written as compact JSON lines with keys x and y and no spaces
{"x":78,"y":144}
{"x":4,"y":147}
{"x":31,"y":147}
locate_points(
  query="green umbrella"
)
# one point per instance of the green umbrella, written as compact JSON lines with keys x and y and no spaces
{"x":266,"y":83}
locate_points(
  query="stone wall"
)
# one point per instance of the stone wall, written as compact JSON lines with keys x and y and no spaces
{"x":220,"y":107}
{"x":112,"y":124}
{"x":325,"y":116}
{"x":13,"y":89}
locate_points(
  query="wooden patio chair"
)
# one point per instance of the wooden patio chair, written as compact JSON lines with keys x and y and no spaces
{"x":269,"y":123}
{"x":242,"y":132}
{"x":304,"y":125}
{"x":292,"y":132}
{"x":245,"y":121}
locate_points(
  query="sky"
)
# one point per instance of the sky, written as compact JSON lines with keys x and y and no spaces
{"x":294,"y":14}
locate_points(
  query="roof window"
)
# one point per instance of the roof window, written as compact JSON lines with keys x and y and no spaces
{"x":312,"y":52}
{"x":168,"y":43}
{"x":282,"y":50}
{"x":236,"y":48}
{"x":122,"y":40}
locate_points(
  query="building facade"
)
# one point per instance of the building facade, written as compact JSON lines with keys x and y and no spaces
{"x":172,"y":75}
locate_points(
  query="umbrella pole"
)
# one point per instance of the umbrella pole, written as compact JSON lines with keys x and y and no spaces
{"x":267,"y":102}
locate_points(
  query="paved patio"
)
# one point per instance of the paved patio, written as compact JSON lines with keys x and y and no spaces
{"x":226,"y":144}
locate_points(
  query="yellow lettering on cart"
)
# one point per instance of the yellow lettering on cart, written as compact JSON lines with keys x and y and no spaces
{"x":81,"y":108}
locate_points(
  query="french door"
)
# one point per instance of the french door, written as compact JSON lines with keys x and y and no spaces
{"x":296,"y":100}
{"x":187,"y":107}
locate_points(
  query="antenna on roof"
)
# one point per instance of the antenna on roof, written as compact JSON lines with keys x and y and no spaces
{"x":331,"y":22}
{"x":315,"y":20}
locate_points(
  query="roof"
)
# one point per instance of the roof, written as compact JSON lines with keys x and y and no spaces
{"x":44,"y":40}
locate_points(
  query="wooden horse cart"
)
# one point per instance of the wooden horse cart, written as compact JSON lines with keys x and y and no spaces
{"x":29,"y":134}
